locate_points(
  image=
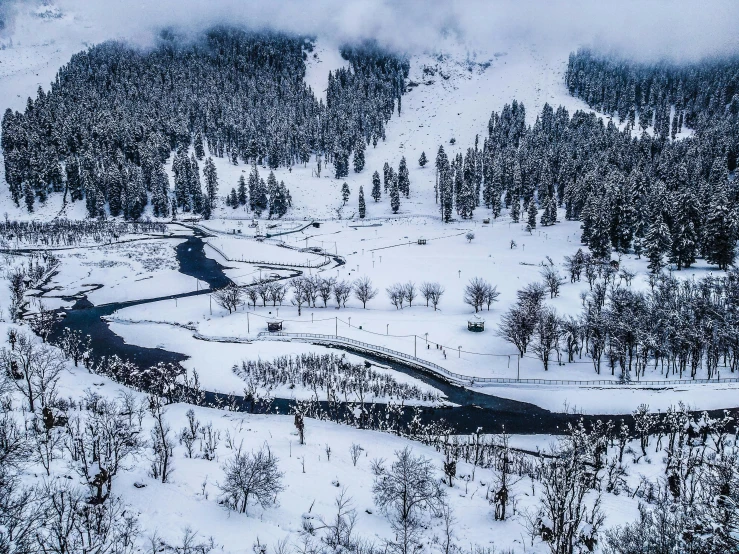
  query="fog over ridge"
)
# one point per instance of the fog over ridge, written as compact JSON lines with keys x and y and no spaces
{"x":677,"y":30}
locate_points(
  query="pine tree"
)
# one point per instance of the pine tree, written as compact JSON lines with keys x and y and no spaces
{"x":394,"y":196}
{"x":278,"y":201}
{"x":515,"y":209}
{"x":422,"y":161}
{"x":657,"y":242}
{"x":115,"y":191}
{"x":233,"y":199}
{"x":441,"y":162}
{"x":404,"y":182}
{"x":241,"y":193}
{"x":74,"y":179}
{"x":362,"y":206}
{"x":160,"y":191}
{"x":376,"y":186}
{"x":359,"y":156}
{"x":341,"y":164}
{"x":446,"y":192}
{"x":211,"y":182}
{"x":719,"y":244}
{"x":253,"y":187}
{"x":198,"y":145}
{"x":196,"y":190}
{"x":599,"y":238}
{"x":260,"y":198}
{"x":532,"y":212}
{"x":345,"y":192}
{"x":387,"y":175}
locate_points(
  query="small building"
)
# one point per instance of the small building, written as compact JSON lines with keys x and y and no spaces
{"x":422,"y":242}
{"x":316,"y":224}
{"x":486,"y":221}
{"x":274,"y":326}
{"x":476,"y":325}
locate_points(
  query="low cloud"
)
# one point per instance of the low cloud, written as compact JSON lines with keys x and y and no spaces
{"x":645,"y":30}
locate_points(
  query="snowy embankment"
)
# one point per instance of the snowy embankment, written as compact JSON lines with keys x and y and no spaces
{"x":214,"y":359}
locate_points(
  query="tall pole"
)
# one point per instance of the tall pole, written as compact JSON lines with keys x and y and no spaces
{"x":336,"y":326}
{"x":518,"y":368}
{"x":415,"y":353}
{"x":248,"y":328}
{"x":210,"y":297}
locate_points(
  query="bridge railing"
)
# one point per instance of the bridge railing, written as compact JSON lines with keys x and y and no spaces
{"x":472,"y":380}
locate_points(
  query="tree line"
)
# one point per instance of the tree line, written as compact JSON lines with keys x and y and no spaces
{"x":651,"y":194}
{"x":115,"y":113}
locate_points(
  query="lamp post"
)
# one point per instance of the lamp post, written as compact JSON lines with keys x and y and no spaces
{"x":460,"y":352}
{"x":427,"y":339}
{"x":350,"y":322}
{"x":387,"y":329}
{"x":415,"y":352}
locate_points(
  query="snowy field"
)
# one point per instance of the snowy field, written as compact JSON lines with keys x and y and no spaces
{"x":388,"y":253}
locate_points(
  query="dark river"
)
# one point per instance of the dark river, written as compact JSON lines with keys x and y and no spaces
{"x":490,"y":413}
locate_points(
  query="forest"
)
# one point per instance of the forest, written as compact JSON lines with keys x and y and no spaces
{"x":115,"y":113}
{"x":668,"y":198}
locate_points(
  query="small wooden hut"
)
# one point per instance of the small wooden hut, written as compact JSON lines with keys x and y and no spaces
{"x":274,"y":326}
{"x":476,"y":325}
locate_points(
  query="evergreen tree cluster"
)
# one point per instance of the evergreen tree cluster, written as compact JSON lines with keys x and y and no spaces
{"x":115,"y":113}
{"x":261,"y":196}
{"x":671,"y":200}
{"x":664,"y":95}
{"x":458,"y":182}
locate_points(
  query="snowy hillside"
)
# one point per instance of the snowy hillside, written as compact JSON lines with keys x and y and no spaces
{"x":555,"y":374}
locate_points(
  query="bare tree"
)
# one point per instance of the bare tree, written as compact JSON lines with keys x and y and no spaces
{"x":252,"y":293}
{"x":277,"y":293}
{"x":338,"y":531}
{"x":253,"y":476}
{"x":34,"y":369}
{"x":189,"y":434}
{"x":73,"y":345}
{"x":566,"y":522}
{"x":228,"y":297}
{"x":43,"y":322}
{"x":312,"y":289}
{"x":547,"y":334}
{"x":20,"y":514}
{"x":263,"y":290}
{"x":552,"y":280}
{"x":396,"y":294}
{"x":101,"y":443}
{"x":300,"y":292}
{"x":73,"y":525}
{"x":355,"y":451}
{"x":364,"y":291}
{"x":474,"y":293}
{"x":469,"y":236}
{"x":436,"y":293}
{"x":491,"y":295}
{"x":403,"y":492}
{"x":518,"y":325}
{"x":342,"y":292}
{"x":161,"y":442}
{"x":409,"y":292}
{"x":325,"y":290}
{"x":425,"y":290}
